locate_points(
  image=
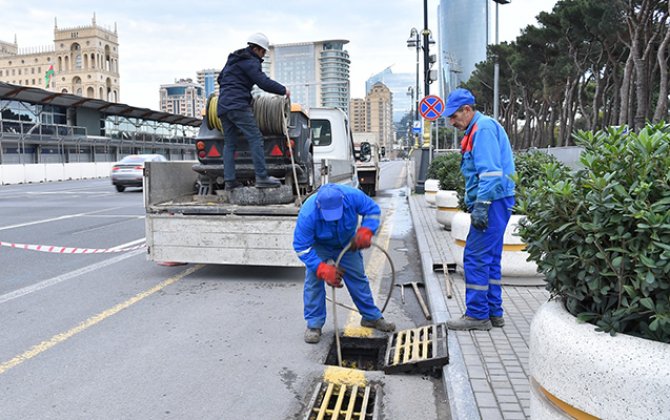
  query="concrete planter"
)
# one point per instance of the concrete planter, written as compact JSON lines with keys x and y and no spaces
{"x":573,"y":367}
{"x":516,"y":270}
{"x":447,"y":207}
{"x":430,"y":188}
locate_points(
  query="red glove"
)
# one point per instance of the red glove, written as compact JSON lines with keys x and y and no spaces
{"x":330,"y":274}
{"x":363,"y":239}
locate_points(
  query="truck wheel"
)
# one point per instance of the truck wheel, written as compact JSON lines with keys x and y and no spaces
{"x":120,"y":188}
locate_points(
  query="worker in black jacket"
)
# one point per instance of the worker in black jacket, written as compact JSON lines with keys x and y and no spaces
{"x":241,"y":72}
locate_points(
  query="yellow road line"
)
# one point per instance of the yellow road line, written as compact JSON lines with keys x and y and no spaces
{"x":59,"y":338}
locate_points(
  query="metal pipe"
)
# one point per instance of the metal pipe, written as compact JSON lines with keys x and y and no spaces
{"x":496,"y":74}
{"x":426,"y":48}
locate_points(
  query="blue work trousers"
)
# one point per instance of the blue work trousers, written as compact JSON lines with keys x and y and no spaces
{"x":481,"y":263}
{"x":314,"y":295}
{"x":242,"y":121}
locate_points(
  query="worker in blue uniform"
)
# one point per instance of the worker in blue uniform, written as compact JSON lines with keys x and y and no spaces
{"x":327,"y":223}
{"x":487,"y":163}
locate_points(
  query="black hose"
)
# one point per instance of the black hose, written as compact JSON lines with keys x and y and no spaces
{"x":388,"y":295}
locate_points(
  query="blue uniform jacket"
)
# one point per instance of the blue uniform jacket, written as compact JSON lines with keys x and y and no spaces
{"x":241,"y":72}
{"x":331,"y":237}
{"x":487,"y":161}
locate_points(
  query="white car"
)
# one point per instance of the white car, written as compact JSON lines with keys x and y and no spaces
{"x":128,"y":172}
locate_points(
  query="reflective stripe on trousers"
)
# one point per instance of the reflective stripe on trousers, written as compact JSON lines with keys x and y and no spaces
{"x":481,"y":263}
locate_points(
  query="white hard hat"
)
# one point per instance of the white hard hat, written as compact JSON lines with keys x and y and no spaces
{"x":259,"y":39}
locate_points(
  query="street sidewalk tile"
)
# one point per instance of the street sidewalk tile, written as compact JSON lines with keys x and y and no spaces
{"x":501,"y":353}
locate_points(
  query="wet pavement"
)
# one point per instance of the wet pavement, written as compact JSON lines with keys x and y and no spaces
{"x":487,"y":376}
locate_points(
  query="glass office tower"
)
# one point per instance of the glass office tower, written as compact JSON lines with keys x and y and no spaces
{"x":463,"y":27}
{"x":398,"y":84}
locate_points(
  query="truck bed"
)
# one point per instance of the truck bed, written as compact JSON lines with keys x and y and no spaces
{"x":183,"y":227}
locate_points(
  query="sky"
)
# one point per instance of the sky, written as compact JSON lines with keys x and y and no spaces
{"x":160,"y":41}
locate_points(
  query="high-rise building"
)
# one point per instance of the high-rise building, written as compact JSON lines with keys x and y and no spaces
{"x":379,"y":114}
{"x":374,"y":114}
{"x":207,"y":79}
{"x":183,"y":97}
{"x":459,"y":54}
{"x":84,"y":60}
{"x":357,"y":115}
{"x":398,"y":83}
{"x":317,"y":73}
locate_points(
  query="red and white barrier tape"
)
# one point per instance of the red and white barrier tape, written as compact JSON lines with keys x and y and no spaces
{"x":68,"y":250}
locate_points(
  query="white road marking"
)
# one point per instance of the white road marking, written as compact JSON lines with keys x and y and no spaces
{"x":53,"y":219}
{"x":67,"y":276}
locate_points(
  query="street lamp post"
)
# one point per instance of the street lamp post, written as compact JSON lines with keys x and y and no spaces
{"x":414,"y":41}
{"x":496,"y":66}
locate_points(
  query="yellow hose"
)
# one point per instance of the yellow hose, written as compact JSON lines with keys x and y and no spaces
{"x":213,"y":120}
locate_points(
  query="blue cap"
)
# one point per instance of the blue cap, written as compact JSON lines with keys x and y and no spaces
{"x":456,"y":99}
{"x":330,"y":201}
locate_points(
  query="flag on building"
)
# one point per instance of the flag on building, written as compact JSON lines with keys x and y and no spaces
{"x":49,"y":74}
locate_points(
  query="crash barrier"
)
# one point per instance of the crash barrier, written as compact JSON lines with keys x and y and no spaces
{"x":48,"y":172}
{"x":430,"y":189}
{"x":271,"y":111}
{"x":515,"y":268}
{"x":68,"y":250}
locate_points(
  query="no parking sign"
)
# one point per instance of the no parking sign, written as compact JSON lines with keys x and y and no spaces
{"x":431,"y":107}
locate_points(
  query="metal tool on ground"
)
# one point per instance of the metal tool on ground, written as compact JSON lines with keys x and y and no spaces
{"x":447,"y":281}
{"x":415,"y":286}
{"x":402,"y":292}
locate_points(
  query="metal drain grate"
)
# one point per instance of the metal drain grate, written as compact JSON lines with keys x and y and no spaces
{"x":340,"y":401}
{"x":418,"y":350}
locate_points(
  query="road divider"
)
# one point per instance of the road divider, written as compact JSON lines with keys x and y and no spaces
{"x":69,"y":250}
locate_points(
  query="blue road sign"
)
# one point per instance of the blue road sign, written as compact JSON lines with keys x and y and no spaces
{"x":431,"y":107}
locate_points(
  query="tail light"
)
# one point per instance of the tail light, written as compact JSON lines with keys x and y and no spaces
{"x":115,"y":168}
{"x":139,"y":167}
{"x":200,"y":145}
{"x":202,"y":154}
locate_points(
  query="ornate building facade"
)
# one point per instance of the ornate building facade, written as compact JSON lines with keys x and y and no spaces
{"x":84,"y":60}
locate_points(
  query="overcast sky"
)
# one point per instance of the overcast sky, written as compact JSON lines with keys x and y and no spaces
{"x":161,"y":41}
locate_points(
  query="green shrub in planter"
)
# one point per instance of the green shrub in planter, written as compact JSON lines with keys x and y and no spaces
{"x":601,"y":235}
{"x":529,"y":165}
{"x":447,"y":169}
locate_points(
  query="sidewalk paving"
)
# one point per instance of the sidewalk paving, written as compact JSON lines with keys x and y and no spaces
{"x":487,"y":375}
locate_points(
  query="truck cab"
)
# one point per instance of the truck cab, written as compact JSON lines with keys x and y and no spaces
{"x":333,"y":145}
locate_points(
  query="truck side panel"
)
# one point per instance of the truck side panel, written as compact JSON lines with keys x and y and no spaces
{"x":166,"y":181}
{"x":222,"y":239}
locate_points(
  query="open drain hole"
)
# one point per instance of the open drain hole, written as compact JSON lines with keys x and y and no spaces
{"x":359,"y":353}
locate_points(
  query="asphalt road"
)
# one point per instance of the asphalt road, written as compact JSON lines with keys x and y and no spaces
{"x":112,"y":335}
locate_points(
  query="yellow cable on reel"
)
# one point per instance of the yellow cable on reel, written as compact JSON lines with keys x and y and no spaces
{"x":213,"y":120}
